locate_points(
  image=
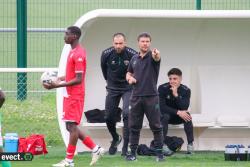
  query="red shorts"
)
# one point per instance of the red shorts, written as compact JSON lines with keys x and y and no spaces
{"x":72,"y":110}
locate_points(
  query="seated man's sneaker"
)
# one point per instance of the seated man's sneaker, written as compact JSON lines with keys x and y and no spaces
{"x":64,"y":163}
{"x":166,"y":151}
{"x":97,"y":155}
{"x":190,"y":148}
{"x":114,"y":145}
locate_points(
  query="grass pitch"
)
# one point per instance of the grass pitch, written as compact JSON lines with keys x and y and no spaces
{"x":199,"y":159}
{"x":32,"y":116}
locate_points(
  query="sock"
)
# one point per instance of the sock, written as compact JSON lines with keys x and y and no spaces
{"x":87,"y":141}
{"x":70,"y":151}
{"x":95,"y":148}
{"x":69,"y":160}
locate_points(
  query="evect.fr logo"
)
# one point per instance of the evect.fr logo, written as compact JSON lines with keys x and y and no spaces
{"x":16,"y":156}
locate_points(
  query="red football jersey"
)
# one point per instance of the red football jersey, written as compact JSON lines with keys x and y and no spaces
{"x":76,"y":63}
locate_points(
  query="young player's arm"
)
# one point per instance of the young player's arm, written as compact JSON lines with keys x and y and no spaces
{"x":62,"y":78}
{"x":183,"y":101}
{"x":79,"y":62}
{"x":183,"y":114}
{"x":77,"y":80}
{"x":163,"y":106}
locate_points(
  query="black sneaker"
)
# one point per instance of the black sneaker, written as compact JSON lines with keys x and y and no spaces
{"x":123,"y":154}
{"x":131,"y":157}
{"x":124,"y":151}
{"x":113,"y":146}
{"x":160,"y":158}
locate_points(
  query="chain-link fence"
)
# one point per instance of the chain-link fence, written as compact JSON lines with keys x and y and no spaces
{"x":44,"y":48}
{"x":225,"y":4}
{"x":35,"y":114}
{"x":28,"y":82}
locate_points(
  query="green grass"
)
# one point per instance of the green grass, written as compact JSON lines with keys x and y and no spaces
{"x":199,"y":159}
{"x":36,"y":115}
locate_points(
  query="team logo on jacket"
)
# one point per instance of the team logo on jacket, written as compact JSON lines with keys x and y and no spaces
{"x":126,"y":62}
{"x":113,"y":62}
{"x":134,"y":63}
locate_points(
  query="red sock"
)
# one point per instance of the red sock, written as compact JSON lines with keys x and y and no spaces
{"x":70,"y":151}
{"x":89,"y":142}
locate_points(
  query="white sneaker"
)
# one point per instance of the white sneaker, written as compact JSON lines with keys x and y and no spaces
{"x":64,"y":163}
{"x":190,"y":148}
{"x":96,"y":155}
{"x":166,"y":151}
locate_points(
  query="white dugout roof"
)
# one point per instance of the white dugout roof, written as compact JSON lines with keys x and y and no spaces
{"x":211,"y":47}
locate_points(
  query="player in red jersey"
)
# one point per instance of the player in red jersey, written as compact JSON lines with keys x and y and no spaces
{"x":74,"y":82}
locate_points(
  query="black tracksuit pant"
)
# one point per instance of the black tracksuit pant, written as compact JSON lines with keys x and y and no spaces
{"x":148,"y":105}
{"x":111,"y":106}
{"x":175,"y":120}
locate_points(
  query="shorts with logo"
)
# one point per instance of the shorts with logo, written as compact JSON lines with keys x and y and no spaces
{"x":72,"y":110}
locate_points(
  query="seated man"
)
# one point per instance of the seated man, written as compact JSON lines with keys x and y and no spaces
{"x":174,"y":102}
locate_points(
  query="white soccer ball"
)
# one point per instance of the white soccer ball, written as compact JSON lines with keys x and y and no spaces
{"x":48,"y":77}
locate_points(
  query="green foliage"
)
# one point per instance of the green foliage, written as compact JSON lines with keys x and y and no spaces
{"x":32,"y":116}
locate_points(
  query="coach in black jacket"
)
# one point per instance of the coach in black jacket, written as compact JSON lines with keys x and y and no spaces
{"x":174,"y":103}
{"x":114,"y":64}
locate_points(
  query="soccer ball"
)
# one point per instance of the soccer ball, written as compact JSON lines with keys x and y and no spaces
{"x":48,"y":77}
